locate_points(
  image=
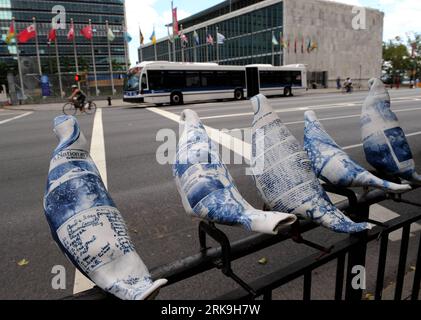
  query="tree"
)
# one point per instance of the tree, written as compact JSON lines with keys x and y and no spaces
{"x":396,"y":58}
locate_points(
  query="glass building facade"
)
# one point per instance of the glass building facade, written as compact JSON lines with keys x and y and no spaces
{"x":248,"y":35}
{"x":99,"y":11}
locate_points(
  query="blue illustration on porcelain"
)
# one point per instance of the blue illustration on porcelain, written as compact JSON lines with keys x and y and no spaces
{"x":385,"y":145}
{"x":85,"y":222}
{"x":206,"y":187}
{"x":332,"y":165}
{"x":284,"y":175}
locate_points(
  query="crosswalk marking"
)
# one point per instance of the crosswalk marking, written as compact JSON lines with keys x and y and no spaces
{"x":82,"y":283}
{"x":16,"y":118}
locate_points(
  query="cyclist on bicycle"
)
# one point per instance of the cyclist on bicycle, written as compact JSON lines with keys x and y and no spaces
{"x":78,"y":97}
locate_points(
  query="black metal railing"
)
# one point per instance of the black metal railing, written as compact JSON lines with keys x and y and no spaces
{"x":352,"y":250}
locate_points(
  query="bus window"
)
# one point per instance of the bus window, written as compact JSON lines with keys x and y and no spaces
{"x":156,"y":80}
{"x":144,"y":82}
{"x":131,"y":83}
{"x":270,"y":79}
{"x":192,"y":79}
{"x":296,"y":78}
{"x":238,"y":78}
{"x":174,"y":79}
{"x":208,"y":79}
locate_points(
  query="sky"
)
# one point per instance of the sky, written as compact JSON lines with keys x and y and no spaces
{"x":401,"y":16}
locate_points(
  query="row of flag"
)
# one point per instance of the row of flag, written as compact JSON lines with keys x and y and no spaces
{"x":285,"y":42}
{"x":30,"y":33}
{"x":184,"y":39}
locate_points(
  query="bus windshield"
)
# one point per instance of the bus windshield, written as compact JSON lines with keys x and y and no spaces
{"x":131,"y":83}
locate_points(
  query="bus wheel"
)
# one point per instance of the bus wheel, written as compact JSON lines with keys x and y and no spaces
{"x":288,"y":92}
{"x":176,"y":98}
{"x":238,"y":94}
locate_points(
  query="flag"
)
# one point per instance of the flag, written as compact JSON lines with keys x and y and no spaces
{"x":71,"y":33}
{"x":184,"y":40}
{"x":209,"y":40}
{"x":274,"y":41}
{"x":314,"y":46}
{"x":10,"y":34}
{"x":127,"y":37}
{"x":283,"y":41}
{"x":153,"y":37}
{"x":196,"y":38}
{"x":110,"y":35}
{"x":176,"y":29}
{"x":87,"y":32}
{"x":220,"y":38}
{"x":52,"y":35}
{"x":27,"y":34}
{"x":302,"y":44}
{"x":141,"y":38}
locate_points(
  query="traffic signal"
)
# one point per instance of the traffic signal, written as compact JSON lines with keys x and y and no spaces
{"x":78,"y":78}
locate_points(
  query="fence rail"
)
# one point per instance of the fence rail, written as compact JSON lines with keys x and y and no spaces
{"x":354,"y":248}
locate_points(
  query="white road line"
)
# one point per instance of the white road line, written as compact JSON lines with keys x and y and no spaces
{"x":15,"y":118}
{"x":336,"y":118}
{"x":98,"y":156}
{"x":377,"y":212}
{"x":296,"y":109}
{"x":236,"y":145}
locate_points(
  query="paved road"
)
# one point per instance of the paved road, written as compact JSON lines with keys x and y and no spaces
{"x":146,"y":195}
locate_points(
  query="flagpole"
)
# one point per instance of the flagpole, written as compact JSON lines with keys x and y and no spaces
{"x":173,"y":23}
{"x":156,"y":54}
{"x":207,"y":45}
{"x":37,"y":46}
{"x":195,"y":47}
{"x":22,"y":89}
{"x":58,"y":68}
{"x":126,"y":43}
{"x":169,"y":45}
{"x":93,"y":59}
{"x":140,"y":45}
{"x":273,"y":49}
{"x":182,"y":43}
{"x":126,"y":58}
{"x":74,"y":49}
{"x":217,"y":46}
{"x":281,"y":48}
{"x":109,"y":58}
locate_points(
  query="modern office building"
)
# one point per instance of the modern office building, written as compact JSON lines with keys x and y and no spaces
{"x":81,"y":11}
{"x":332,"y":39}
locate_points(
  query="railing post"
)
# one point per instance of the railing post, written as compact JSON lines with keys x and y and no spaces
{"x":357,"y":254}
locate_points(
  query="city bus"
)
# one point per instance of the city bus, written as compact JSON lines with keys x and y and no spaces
{"x":282,"y":80}
{"x":162,"y":82}
{"x":177,"y":83}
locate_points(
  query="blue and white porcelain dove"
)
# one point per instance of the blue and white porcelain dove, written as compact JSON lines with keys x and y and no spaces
{"x":206,"y":187}
{"x":284,"y":176}
{"x":85,"y":222}
{"x":385,"y":145}
{"x":333,"y":165}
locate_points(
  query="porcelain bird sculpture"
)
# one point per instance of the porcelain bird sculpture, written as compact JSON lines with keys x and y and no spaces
{"x":85,"y":222}
{"x":385,"y":144}
{"x":333,"y":165}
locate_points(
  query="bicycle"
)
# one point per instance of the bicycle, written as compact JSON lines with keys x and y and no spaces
{"x":70,"y":108}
